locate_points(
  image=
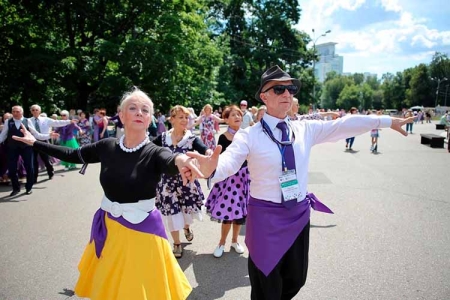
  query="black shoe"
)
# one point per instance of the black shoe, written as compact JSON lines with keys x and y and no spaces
{"x":50,"y":176}
{"x":29,"y":192}
{"x":13,"y":193}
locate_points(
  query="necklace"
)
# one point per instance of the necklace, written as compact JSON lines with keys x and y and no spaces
{"x":231,"y":130}
{"x":177,"y":138}
{"x":129,"y":150}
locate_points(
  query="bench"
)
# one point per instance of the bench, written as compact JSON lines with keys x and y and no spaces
{"x":440,"y":126}
{"x":434,"y":140}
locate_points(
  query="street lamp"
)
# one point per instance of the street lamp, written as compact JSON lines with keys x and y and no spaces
{"x":437,"y":88}
{"x":314,"y":60}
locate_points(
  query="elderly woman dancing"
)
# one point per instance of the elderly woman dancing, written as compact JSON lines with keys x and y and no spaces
{"x":128,"y":255}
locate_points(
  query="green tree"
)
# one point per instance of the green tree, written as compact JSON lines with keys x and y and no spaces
{"x":87,"y":53}
{"x":358,"y":78}
{"x":350,"y":96}
{"x":419,"y":92}
{"x":332,"y":89}
{"x":261,"y":34}
{"x":440,"y":66}
{"x":366,"y":96}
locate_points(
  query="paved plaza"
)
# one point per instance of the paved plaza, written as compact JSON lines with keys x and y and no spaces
{"x":388,"y":239}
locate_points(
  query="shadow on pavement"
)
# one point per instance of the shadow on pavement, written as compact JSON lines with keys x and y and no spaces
{"x":323,"y":226}
{"x":67,"y":292}
{"x":351,"y":151}
{"x":215,"y":276}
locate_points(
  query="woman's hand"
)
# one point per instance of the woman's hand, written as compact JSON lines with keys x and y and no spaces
{"x":27,"y":138}
{"x":197,"y":165}
{"x":207,"y":163}
{"x":188,"y":168}
{"x":397,"y":124}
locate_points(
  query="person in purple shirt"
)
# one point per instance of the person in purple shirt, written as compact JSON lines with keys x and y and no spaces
{"x":96,"y":118}
{"x":67,"y":138}
{"x":277,"y":151}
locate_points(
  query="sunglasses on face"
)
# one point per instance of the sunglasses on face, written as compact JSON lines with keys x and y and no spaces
{"x":279,"y":89}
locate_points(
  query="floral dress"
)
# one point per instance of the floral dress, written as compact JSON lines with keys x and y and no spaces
{"x":207,"y":133}
{"x":85,"y":138}
{"x":179,"y":204}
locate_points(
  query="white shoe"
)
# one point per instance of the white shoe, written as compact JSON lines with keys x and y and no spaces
{"x":219,"y":251}
{"x":238,"y":248}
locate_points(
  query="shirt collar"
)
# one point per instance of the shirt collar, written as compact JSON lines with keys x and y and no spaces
{"x":273,"y":122}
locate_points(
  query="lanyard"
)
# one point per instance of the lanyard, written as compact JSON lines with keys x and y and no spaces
{"x":281,"y":145}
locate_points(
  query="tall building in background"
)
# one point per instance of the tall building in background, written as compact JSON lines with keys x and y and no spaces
{"x":328,"y":61}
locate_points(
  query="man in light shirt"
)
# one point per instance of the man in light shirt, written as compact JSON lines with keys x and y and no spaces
{"x":44,"y":125}
{"x":14,"y":149}
{"x":277,"y":151}
{"x":247,"y":119}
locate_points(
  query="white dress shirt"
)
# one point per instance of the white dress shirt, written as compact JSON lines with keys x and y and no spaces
{"x":18,"y":123}
{"x":264,"y":158}
{"x":45,"y":125}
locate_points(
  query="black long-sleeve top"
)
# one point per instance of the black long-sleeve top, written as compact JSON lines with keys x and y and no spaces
{"x":125,"y":177}
{"x":225,"y":142}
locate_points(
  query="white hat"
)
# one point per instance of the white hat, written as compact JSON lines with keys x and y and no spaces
{"x":243,"y":102}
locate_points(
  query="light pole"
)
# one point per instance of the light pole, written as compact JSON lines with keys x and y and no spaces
{"x":314,"y":60}
{"x":437,"y":88}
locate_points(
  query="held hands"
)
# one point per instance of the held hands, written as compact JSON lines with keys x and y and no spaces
{"x":27,"y":138}
{"x":397,"y":124}
{"x":194,"y":165}
{"x":207,"y":163}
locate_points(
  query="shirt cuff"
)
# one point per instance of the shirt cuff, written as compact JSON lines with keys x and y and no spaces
{"x":385,"y":122}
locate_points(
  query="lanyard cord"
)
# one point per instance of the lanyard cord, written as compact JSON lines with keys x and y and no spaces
{"x":281,"y":145}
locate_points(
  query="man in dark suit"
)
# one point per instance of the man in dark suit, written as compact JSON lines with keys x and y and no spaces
{"x":16,"y":149}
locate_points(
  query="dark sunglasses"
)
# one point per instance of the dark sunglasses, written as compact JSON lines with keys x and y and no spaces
{"x":279,"y":89}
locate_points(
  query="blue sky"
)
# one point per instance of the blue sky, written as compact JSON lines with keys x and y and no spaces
{"x":380,"y":36}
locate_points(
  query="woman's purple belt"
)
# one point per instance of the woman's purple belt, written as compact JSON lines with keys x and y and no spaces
{"x":153,"y":224}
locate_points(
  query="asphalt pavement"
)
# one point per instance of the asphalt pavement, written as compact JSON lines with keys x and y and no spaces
{"x":388,"y":239}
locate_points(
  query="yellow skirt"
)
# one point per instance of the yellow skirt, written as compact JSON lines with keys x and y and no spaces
{"x":133,"y":266}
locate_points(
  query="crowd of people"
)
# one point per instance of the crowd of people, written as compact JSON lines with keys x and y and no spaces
{"x":149,"y":174}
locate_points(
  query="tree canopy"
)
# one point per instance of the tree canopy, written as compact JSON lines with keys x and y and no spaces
{"x":86,"y":54}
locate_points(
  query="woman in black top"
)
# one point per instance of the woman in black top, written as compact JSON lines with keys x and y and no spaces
{"x":227,"y":201}
{"x":128,"y":256}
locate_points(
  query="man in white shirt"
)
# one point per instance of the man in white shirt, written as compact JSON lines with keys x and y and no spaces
{"x":277,"y":151}
{"x":14,"y":149}
{"x":44,"y":125}
{"x":247,"y":119}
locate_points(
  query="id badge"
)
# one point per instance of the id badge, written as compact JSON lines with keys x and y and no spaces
{"x":289,"y":185}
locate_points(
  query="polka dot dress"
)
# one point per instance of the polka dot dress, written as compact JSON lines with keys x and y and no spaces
{"x":228,"y":199}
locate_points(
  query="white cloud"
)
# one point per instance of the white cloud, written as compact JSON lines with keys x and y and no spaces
{"x":333,"y":5}
{"x":391,"y":5}
{"x":379,"y":47}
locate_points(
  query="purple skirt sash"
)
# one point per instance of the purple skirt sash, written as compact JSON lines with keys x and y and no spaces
{"x":271,"y":229}
{"x":152,"y":224}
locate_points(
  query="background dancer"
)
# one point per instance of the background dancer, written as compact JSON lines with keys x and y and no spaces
{"x":179,"y":204}
{"x":227,"y":202}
